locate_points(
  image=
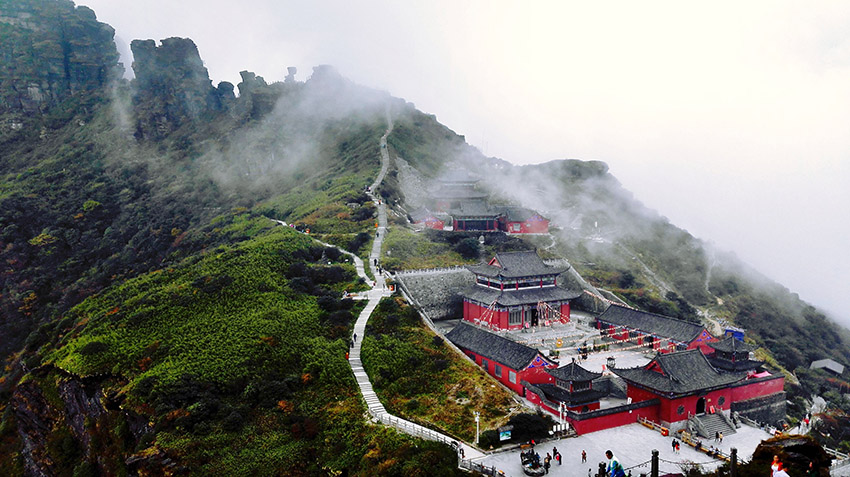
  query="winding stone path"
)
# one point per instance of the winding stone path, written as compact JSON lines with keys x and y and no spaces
{"x":378,"y":291}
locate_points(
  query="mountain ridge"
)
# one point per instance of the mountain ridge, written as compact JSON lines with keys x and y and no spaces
{"x":119,"y":198}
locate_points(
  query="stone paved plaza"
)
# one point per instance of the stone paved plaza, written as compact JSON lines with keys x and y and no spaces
{"x":633,"y":445}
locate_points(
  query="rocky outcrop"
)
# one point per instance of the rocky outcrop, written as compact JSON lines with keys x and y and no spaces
{"x":50,"y":52}
{"x":795,"y":452}
{"x":172,"y":87}
{"x":59,"y":416}
{"x":36,"y":421}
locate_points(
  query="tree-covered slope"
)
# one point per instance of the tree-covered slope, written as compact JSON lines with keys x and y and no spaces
{"x":230,"y":362}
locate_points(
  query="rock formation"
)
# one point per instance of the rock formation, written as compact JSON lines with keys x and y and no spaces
{"x":51,"y":56}
{"x":172,"y":86}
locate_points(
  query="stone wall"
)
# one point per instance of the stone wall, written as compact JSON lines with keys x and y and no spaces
{"x":435,"y":292}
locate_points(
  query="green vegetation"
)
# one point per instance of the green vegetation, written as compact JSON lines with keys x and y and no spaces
{"x":237,"y":357}
{"x":420,"y":377}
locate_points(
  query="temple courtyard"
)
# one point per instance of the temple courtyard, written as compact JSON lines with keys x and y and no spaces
{"x":633,"y":445}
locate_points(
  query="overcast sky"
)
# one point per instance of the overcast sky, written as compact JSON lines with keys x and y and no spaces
{"x":732,"y":119}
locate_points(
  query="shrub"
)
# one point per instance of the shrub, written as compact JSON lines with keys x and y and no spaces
{"x":93,"y":348}
{"x":468,"y":248}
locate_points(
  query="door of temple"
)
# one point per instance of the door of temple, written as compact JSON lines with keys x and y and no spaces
{"x":701,"y":405}
{"x":533,"y":316}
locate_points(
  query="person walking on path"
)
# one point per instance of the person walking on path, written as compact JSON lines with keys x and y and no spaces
{"x":615,"y":469}
{"x":546,"y":462}
{"x":355,"y":337}
{"x":583,"y":456}
{"x":677,"y":447}
{"x":720,"y":434}
{"x":673,"y":445}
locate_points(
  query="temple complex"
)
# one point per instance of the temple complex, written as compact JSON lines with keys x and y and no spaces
{"x":459,"y":205}
{"x":516,"y":290}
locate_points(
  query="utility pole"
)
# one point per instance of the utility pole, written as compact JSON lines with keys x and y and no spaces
{"x":733,"y":462}
{"x":654,"y":465}
{"x":477,"y":419}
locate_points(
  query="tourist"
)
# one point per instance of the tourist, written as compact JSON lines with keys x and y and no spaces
{"x":355,"y":337}
{"x":615,"y":469}
{"x":677,"y":447}
{"x":775,"y":466}
{"x":673,"y":445}
{"x":812,"y":472}
{"x":546,"y":462}
{"x":716,"y":436}
{"x":583,"y":456}
{"x":558,"y":458}
{"x":721,"y":436}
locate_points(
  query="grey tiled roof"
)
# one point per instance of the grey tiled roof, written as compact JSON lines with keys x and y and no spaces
{"x":518,"y":214}
{"x":726,"y":365}
{"x":573,"y":372}
{"x":422,"y":213}
{"x":555,"y":394}
{"x":458,"y":193}
{"x":684,"y":372}
{"x":518,"y":297}
{"x":492,"y":346}
{"x":474,"y":208}
{"x":516,"y":265}
{"x":457,"y":175}
{"x":731,"y":345}
{"x":651,"y":323}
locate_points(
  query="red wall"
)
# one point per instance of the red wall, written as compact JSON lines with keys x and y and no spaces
{"x":700,"y":342}
{"x":433,"y":223}
{"x":758,"y":389}
{"x":540,"y":226}
{"x":472,"y":311}
{"x":668,"y":411}
{"x":535,"y":375}
{"x":565,"y":310}
{"x":602,"y":422}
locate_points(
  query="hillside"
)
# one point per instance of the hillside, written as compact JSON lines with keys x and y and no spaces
{"x":157,"y":318}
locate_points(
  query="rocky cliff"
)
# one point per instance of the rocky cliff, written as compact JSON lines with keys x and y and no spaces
{"x":172,"y":87}
{"x":51,"y":56}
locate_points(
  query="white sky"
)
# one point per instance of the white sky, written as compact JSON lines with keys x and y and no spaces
{"x":730,"y":118}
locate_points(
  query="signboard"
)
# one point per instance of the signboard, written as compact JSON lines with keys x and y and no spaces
{"x":505,"y":433}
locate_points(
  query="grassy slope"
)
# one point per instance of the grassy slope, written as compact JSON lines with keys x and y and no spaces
{"x":421,"y":378}
{"x":238,"y":372}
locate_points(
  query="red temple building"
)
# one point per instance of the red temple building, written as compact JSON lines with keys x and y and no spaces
{"x":688,"y":385}
{"x":431,"y":220}
{"x":458,"y":205}
{"x":509,"y":362}
{"x":516,"y":290}
{"x":573,"y":387}
{"x":519,"y":220}
{"x":676,"y":390}
{"x":663,"y":333}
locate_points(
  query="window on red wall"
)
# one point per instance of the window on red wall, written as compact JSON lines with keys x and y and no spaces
{"x":512,"y":377}
{"x":497,"y":370}
{"x":484,"y":363}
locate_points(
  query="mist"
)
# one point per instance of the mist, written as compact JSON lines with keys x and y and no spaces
{"x":730,"y":119}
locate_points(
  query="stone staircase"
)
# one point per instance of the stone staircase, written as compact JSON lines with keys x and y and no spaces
{"x":713,"y":423}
